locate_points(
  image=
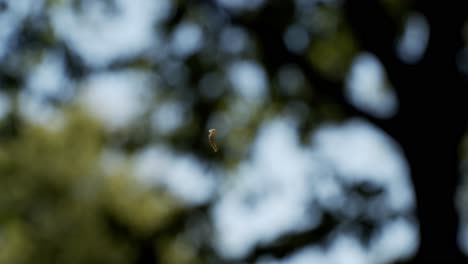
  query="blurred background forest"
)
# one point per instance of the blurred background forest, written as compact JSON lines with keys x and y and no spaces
{"x":331,"y":118}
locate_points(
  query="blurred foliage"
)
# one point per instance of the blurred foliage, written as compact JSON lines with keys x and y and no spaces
{"x":57,"y":205}
{"x":333,"y":50}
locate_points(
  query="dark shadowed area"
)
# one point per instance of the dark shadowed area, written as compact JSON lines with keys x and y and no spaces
{"x":340,"y":131}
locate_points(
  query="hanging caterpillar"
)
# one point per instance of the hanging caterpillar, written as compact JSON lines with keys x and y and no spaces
{"x":211,"y":134}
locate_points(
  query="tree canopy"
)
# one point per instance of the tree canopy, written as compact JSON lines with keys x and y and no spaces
{"x":340,"y":129}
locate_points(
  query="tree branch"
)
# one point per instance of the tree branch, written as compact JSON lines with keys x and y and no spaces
{"x":290,"y":243}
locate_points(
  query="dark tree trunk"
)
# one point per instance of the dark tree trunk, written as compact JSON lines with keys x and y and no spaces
{"x":433,"y":166}
{"x":429,"y":130}
{"x":432,"y":115}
